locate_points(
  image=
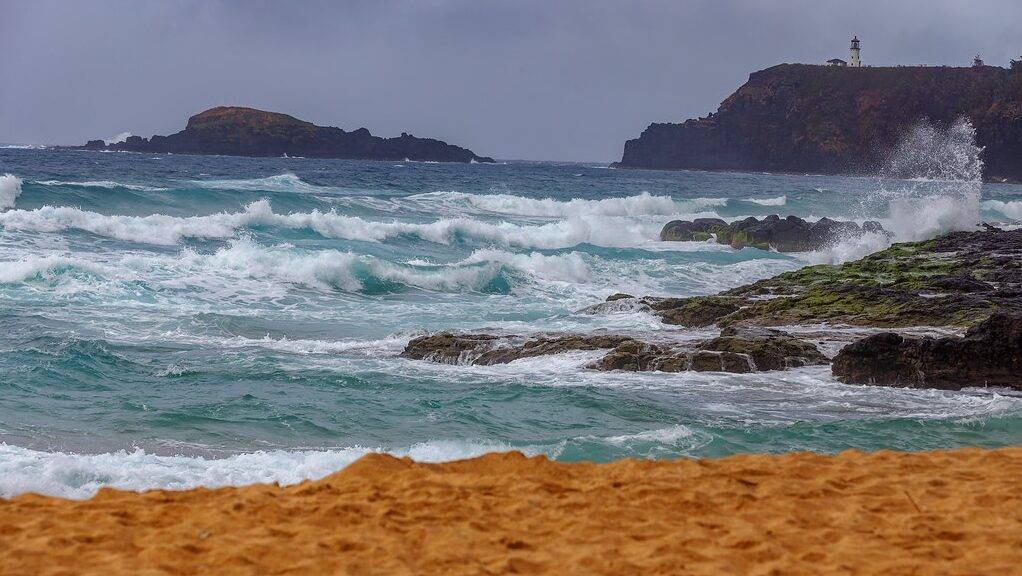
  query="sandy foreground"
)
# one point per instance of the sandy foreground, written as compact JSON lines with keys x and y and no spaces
{"x":952,"y":512}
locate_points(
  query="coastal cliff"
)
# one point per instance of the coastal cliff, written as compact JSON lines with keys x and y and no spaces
{"x":238,"y":131}
{"x":823,"y":119}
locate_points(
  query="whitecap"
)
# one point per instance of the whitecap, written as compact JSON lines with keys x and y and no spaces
{"x":101,"y":184}
{"x":71,"y":475}
{"x":10,"y":189}
{"x":1011,"y":209}
{"x":778,"y":201}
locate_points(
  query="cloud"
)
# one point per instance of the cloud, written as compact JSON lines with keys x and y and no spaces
{"x":569,"y":80}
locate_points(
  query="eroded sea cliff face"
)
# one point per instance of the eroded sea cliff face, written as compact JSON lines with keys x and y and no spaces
{"x":822,"y":119}
{"x":238,"y":131}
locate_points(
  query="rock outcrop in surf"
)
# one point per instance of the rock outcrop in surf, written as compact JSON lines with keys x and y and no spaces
{"x":238,"y":131}
{"x":990,"y":354}
{"x":735,"y":350}
{"x":823,"y":119}
{"x":957,"y":279}
{"x":791,"y":234}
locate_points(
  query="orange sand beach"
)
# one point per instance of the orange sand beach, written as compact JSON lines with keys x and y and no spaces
{"x":947,"y":512}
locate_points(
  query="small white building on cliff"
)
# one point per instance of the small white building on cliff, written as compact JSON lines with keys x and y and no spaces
{"x":854,"y":60}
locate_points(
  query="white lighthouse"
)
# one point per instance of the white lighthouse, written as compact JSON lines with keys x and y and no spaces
{"x":853,"y":53}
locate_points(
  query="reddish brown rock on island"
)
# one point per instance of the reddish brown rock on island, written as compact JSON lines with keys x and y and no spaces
{"x":239,"y":131}
{"x":823,"y":119}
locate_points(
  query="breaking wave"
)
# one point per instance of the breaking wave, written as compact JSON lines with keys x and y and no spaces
{"x":779,"y":201}
{"x":22,"y":147}
{"x":40,"y":266}
{"x":280,"y":183}
{"x":82,"y":475}
{"x":167,"y":230}
{"x":644,"y":204}
{"x":102,"y":184}
{"x":347,"y":272}
{"x":10,"y":189}
{"x":1011,"y":210}
{"x":932,"y":181}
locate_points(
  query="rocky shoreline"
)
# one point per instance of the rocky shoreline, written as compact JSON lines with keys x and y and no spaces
{"x":800,"y":118}
{"x":961,"y":280}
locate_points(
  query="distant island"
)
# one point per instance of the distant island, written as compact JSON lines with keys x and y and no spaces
{"x":238,"y":131}
{"x":840,"y":119}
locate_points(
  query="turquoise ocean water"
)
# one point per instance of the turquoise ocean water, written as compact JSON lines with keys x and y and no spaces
{"x":173,"y":321}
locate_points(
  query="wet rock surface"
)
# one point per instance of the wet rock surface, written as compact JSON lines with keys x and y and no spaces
{"x":790,"y":234}
{"x":990,"y":354}
{"x":958,"y":279}
{"x":735,"y":350}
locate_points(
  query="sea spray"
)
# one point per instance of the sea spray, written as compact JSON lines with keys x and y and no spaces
{"x":10,"y":189}
{"x":932,"y":181}
{"x":930,"y":185}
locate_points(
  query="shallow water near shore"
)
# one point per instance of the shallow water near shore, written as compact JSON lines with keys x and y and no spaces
{"x":174,"y":321}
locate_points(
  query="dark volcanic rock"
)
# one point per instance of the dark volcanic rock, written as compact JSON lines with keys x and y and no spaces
{"x":768,"y":349}
{"x":698,"y":229}
{"x":741,"y":351}
{"x":237,"y":131}
{"x":958,"y":279}
{"x":485,"y":349}
{"x":618,"y":296}
{"x":804,"y":118}
{"x":990,"y":354}
{"x":791,"y":234}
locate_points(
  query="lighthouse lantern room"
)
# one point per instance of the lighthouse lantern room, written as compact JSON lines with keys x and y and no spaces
{"x":853,"y":59}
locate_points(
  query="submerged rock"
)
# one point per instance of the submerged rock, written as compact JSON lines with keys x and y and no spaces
{"x":733,"y":351}
{"x":791,"y":234}
{"x":990,"y":354}
{"x":486,"y":349}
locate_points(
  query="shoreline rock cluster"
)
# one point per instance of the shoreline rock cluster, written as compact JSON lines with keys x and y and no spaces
{"x":735,"y":350}
{"x":791,"y":234}
{"x":959,"y":280}
{"x":990,"y":354}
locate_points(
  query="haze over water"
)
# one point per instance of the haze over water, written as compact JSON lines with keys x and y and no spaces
{"x":171,"y":321}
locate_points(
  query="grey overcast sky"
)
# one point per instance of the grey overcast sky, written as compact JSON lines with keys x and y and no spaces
{"x":545,"y":80}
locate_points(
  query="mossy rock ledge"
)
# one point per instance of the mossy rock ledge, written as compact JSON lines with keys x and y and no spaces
{"x":959,"y":279}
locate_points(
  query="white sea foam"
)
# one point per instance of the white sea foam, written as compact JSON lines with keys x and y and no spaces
{"x":45,"y":266}
{"x":1011,"y":209}
{"x":669,"y":435}
{"x":932,"y":181}
{"x":332,"y":269}
{"x":287,"y":182}
{"x":10,"y":189}
{"x":22,"y":147}
{"x":81,"y":475}
{"x":154,"y":229}
{"x":848,"y":249}
{"x":566,"y":267}
{"x":931,"y":185}
{"x":643,"y":204}
{"x":163,"y":229}
{"x":778,"y":201}
{"x":101,"y":184}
